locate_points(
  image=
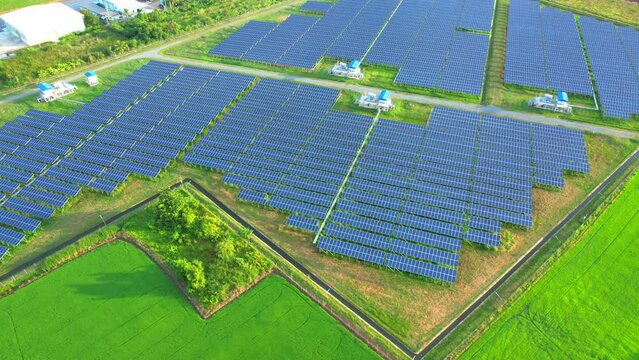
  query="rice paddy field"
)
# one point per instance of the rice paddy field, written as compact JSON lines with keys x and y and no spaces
{"x":117,"y":304}
{"x":586,"y":305}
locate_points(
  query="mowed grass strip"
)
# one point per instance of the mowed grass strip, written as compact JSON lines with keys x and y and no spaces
{"x":116,"y":303}
{"x":8,"y":5}
{"x":586,"y":305}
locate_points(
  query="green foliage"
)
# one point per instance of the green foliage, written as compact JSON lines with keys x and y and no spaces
{"x":507,"y":240}
{"x":115,"y":303}
{"x":91,"y":21}
{"x":193,"y":271}
{"x":585,"y":306}
{"x":213,"y":260}
{"x":101,"y":41}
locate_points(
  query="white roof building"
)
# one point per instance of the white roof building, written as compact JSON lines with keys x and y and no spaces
{"x":43,"y":23}
{"x":126,"y":7}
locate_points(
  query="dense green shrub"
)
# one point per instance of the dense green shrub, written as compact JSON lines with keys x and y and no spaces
{"x":212,"y":259}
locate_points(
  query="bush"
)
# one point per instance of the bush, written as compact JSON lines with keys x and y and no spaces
{"x":213,"y":260}
{"x":193,"y":272}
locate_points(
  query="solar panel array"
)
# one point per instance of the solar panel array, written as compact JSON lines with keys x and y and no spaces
{"x":420,"y":37}
{"x":435,"y":53}
{"x":544,"y":49}
{"x":613,"y":53}
{"x":397,"y":195}
{"x":36,"y":173}
{"x":137,"y":126}
{"x":316,"y":6}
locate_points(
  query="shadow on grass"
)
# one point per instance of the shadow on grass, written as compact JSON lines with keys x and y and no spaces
{"x":121,"y":285}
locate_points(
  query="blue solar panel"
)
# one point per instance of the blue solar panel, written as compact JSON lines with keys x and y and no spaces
{"x":421,"y":268}
{"x":42,"y":196}
{"x":351,"y":250}
{"x":3,"y":251}
{"x":252,"y":196}
{"x":104,"y":185}
{"x":29,"y":208}
{"x":11,"y":237}
{"x":537,"y":57}
{"x":18,"y":221}
{"x":612,"y":67}
{"x":303,"y":222}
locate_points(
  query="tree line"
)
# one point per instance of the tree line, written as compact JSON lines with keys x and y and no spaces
{"x":101,"y":41}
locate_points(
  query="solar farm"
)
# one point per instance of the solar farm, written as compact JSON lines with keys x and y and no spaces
{"x":536,"y":56}
{"x":430,"y":41}
{"x":384,"y":192}
{"x":420,"y":190}
{"x":392,"y":194}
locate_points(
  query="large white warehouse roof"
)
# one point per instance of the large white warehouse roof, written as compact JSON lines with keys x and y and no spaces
{"x":42,"y":23}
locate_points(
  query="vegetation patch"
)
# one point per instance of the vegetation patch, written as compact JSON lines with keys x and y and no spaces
{"x":101,"y":41}
{"x":115,"y":302}
{"x":585,"y":305}
{"x":213,"y":260}
{"x":8,"y":5}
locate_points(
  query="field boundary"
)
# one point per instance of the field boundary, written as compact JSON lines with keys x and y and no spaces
{"x":471,"y":308}
{"x":547,"y":265}
{"x":197,"y":306}
{"x":323,"y":285}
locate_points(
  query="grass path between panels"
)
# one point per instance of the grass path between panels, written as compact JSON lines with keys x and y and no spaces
{"x":115,"y":303}
{"x":586,"y":305}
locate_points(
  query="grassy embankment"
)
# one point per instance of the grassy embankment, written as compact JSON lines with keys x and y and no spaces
{"x":585,"y":305}
{"x":115,"y":302}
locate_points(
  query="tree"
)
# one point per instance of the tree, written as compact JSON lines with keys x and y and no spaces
{"x":193,"y":272}
{"x":225,"y":249}
{"x":91,"y":21}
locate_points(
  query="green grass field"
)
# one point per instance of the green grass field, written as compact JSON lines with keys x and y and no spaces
{"x":115,"y":303}
{"x":8,"y":5}
{"x":620,"y":11}
{"x":70,"y":103}
{"x":585,"y":306}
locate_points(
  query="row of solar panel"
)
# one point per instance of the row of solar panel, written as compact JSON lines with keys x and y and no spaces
{"x":396,"y":32}
{"x":122,"y":138}
{"x":278,"y":171}
{"x":612,"y":51}
{"x":536,"y":57}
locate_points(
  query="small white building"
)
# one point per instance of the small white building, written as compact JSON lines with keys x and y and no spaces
{"x":38,"y":24}
{"x":92,"y":78}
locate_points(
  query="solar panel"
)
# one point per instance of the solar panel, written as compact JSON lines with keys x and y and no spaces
{"x":18,"y":221}
{"x":303,"y":222}
{"x":11,"y":237}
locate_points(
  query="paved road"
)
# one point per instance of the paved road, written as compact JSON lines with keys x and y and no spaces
{"x":147,"y":52}
{"x":155,"y":54}
{"x":492,"y":110}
